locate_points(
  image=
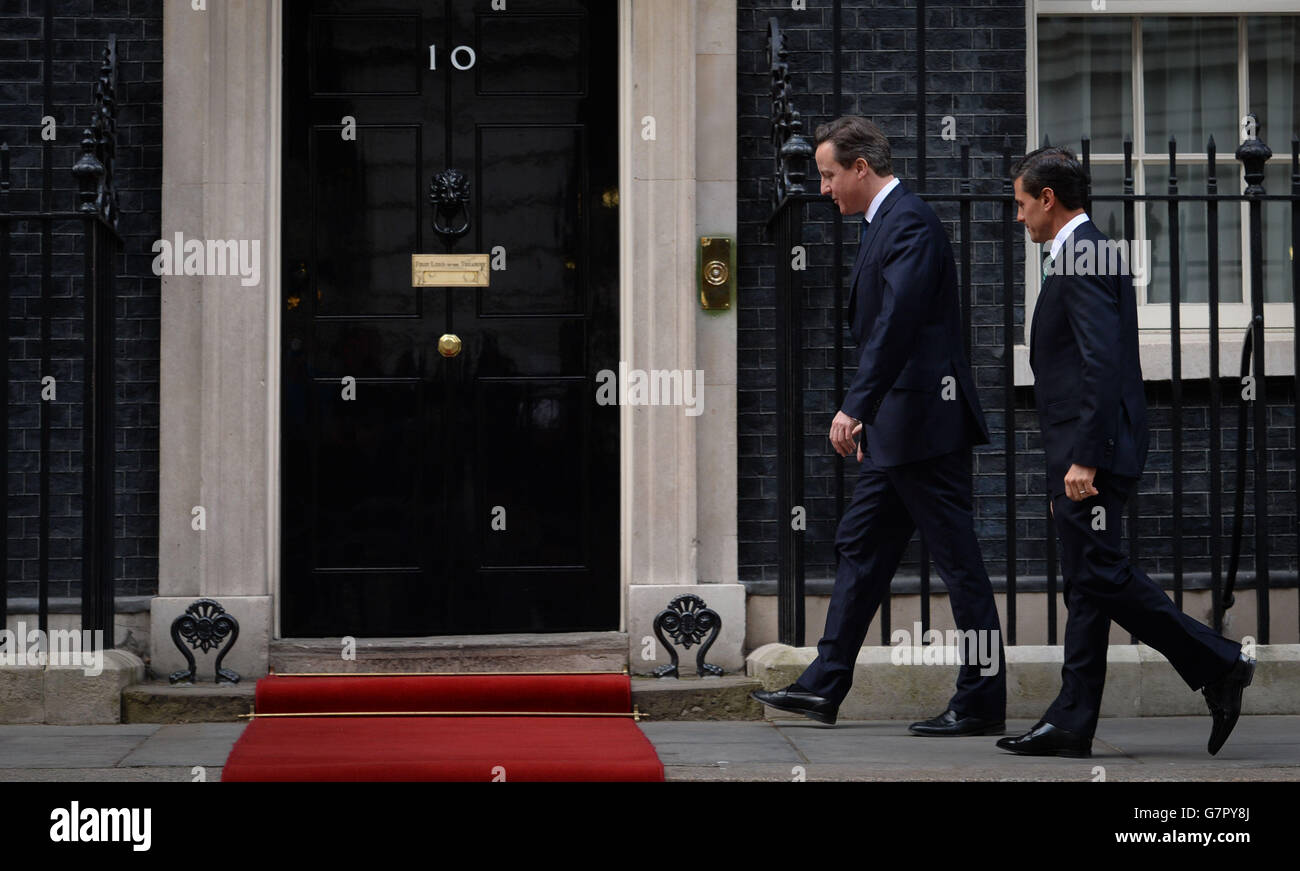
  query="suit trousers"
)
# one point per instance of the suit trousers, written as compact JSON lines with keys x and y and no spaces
{"x":888,"y":505}
{"x":1100,"y":586}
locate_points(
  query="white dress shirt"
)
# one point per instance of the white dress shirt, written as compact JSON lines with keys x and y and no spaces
{"x":880,"y":198}
{"x":1066,"y":231}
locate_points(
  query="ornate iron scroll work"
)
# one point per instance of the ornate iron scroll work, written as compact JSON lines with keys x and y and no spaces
{"x":688,"y":619}
{"x":204,"y":625}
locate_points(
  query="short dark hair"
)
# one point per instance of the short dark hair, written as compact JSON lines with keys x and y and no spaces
{"x":853,"y":136}
{"x":1053,"y":167}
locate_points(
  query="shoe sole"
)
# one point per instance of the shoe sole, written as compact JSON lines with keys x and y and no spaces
{"x":1068,"y":754}
{"x":827,"y":719}
{"x":999,"y":729}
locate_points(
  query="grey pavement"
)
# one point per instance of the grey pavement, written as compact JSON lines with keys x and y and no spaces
{"x":1138,"y":748}
{"x":1144,"y":749}
{"x":139,"y":751}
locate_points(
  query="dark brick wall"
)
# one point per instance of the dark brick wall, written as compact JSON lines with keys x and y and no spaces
{"x":975,"y":62}
{"x":79,"y":31}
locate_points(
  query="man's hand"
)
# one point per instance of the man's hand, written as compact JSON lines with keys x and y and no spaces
{"x":1078,"y":482}
{"x":842,"y":433}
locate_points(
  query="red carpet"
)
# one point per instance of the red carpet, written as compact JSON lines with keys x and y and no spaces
{"x":444,"y":748}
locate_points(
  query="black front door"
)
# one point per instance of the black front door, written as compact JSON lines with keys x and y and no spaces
{"x":424,"y":494}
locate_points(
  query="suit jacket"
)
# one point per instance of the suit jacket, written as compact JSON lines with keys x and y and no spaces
{"x":913,"y":389}
{"x":1083,"y":349}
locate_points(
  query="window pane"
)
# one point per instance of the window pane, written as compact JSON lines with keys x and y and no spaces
{"x":1277,"y":231}
{"x":1108,"y":215}
{"x":1275,"y":78}
{"x":1085,"y":88}
{"x":1193,"y":235}
{"x":1190,"y":76}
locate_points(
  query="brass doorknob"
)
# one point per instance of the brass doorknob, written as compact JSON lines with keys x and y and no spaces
{"x":449,"y":345}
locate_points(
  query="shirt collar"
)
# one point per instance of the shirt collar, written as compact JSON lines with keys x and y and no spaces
{"x":1066,"y":231}
{"x":880,"y":198}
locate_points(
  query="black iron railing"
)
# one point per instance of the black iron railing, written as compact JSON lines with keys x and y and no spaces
{"x":96,"y":216}
{"x":785,"y":229}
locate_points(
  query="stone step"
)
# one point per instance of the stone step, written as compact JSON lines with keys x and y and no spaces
{"x":706,"y":698}
{"x":559,"y":652}
{"x":713,"y":698}
{"x":160,"y":702}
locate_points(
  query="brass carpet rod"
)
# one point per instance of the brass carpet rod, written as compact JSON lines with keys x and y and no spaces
{"x":635,"y":714}
{"x":428,"y":673}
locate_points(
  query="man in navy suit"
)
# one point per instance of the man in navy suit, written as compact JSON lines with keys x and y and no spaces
{"x":1083,"y":350}
{"x":913,"y":400}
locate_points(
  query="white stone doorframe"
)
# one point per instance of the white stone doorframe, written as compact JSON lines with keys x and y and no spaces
{"x":219,"y":368}
{"x":220,"y":351}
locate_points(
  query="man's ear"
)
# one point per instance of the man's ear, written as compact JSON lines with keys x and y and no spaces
{"x":1048,"y":196}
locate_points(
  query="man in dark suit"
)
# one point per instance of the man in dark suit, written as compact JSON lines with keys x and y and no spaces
{"x":1092,"y":413}
{"x":913,"y":400}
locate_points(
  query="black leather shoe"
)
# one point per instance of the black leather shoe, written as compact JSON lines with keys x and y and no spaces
{"x":952,"y":723}
{"x":1223,"y":696}
{"x":798,"y":701}
{"x":1047,"y":740}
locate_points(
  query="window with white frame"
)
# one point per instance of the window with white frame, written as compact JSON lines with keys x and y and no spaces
{"x":1190,"y":76}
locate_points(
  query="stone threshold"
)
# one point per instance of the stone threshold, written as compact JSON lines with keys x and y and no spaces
{"x":656,"y":699}
{"x":519,"y":652}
